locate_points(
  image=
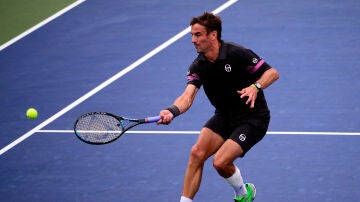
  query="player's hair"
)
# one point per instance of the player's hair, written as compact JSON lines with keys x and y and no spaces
{"x":210,"y":21}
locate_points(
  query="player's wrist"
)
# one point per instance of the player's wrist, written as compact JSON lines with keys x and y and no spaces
{"x":256,"y":86}
{"x":174,"y":110}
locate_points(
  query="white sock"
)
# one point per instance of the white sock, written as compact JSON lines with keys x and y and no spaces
{"x":185,"y":199}
{"x":236,"y":181}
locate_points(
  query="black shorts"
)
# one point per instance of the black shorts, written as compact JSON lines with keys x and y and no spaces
{"x":245,"y":130}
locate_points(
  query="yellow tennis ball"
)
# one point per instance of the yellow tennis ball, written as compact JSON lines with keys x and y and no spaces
{"x":31,"y":113}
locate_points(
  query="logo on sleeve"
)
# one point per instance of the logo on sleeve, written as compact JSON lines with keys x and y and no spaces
{"x":255,"y":60}
{"x":192,"y":76}
{"x":242,"y":137}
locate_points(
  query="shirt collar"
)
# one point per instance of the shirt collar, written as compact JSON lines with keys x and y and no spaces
{"x":222,"y":52}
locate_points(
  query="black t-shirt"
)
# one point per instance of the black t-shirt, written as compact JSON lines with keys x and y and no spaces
{"x":235,"y":68}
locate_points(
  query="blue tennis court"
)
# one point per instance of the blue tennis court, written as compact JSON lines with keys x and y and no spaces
{"x":130,"y":58}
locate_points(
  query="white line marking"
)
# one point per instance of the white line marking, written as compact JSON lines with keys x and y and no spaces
{"x":224,"y":6}
{"x":197,"y":132}
{"x":313,"y":133}
{"x":108,"y":82}
{"x":39,"y":25}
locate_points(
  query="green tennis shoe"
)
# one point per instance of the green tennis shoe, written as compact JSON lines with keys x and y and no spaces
{"x":250,"y":196}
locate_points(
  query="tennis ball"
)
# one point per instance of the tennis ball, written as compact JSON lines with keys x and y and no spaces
{"x":31,"y":113}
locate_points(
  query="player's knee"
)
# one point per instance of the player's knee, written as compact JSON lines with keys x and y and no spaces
{"x":197,"y":155}
{"x":222,"y":167}
{"x":219,"y":165}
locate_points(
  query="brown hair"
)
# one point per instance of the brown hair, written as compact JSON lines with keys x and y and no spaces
{"x":210,"y":21}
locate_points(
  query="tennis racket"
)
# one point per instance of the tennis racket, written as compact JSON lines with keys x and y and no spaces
{"x":103,"y":127}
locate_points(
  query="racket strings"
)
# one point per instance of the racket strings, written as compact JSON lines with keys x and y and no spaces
{"x":98,"y":128}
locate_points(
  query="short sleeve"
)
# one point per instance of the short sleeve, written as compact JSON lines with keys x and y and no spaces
{"x":193,"y":75}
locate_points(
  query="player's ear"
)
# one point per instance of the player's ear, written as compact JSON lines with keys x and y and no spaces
{"x":213,"y":35}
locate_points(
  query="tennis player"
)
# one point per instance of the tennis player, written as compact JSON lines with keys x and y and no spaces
{"x":233,"y":79}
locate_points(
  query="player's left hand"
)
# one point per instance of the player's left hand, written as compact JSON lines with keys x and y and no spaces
{"x":251,"y":93}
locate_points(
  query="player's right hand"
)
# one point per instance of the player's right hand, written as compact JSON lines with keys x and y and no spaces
{"x":166,"y":117}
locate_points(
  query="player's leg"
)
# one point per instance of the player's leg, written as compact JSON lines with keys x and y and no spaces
{"x":207,"y":144}
{"x":243,"y":138}
{"x":225,"y":156}
{"x":223,"y":163}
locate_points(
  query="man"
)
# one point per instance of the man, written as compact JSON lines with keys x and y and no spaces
{"x":233,"y":79}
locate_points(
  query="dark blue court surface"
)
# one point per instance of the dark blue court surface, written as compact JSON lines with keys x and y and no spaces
{"x":311,"y":153}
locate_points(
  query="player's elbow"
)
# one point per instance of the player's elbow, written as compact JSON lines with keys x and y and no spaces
{"x":274,"y":74}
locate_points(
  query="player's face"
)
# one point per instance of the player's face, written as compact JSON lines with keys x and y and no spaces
{"x":200,"y":38}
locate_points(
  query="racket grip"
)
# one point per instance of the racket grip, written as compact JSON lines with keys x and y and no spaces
{"x":152,"y":119}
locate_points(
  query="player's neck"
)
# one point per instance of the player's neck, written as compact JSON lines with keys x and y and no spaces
{"x":213,"y":52}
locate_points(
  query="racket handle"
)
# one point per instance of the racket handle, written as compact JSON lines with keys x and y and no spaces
{"x":152,"y":119}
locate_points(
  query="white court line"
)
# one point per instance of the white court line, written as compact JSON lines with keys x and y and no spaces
{"x":109,"y":81}
{"x":197,"y":132}
{"x":42,"y":23}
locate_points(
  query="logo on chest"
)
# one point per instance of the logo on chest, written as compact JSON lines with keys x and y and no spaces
{"x":227,"y":68}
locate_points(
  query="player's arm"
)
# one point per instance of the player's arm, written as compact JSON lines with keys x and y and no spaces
{"x":266,"y":79}
{"x":180,"y":105}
